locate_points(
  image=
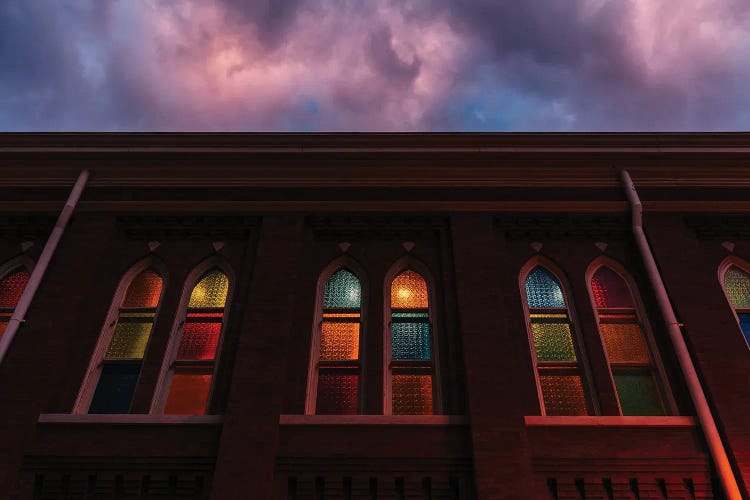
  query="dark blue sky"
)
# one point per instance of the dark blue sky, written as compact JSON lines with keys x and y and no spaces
{"x":374,"y":65}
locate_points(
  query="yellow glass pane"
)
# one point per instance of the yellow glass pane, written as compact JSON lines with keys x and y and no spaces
{"x":409,"y":291}
{"x":129,"y":341}
{"x":737,"y":284}
{"x":553,"y":342}
{"x":339,"y":341}
{"x":563,"y":395}
{"x":210,"y":291}
{"x":624,"y":342}
{"x":144,"y":291}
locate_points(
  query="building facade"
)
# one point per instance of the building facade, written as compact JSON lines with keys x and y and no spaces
{"x":374,"y":316}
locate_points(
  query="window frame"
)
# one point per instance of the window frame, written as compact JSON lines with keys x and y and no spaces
{"x":584,"y":367}
{"x":164,"y":382}
{"x":744,"y":266}
{"x":400,"y":266}
{"x":96,"y":362}
{"x":663,"y":386}
{"x":311,"y":393}
{"x":21,"y":261}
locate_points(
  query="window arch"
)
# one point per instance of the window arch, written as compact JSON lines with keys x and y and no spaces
{"x":186,"y":380}
{"x":410,"y":351}
{"x":115,"y":367}
{"x":628,"y":346}
{"x":336,"y":351}
{"x":554,"y":343}
{"x":735,"y":279}
{"x":14,"y":276}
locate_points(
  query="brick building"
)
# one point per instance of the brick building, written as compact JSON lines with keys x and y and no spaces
{"x":362,"y":316}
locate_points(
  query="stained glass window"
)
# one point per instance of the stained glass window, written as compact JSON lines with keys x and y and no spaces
{"x":625,"y":343}
{"x":11,"y":288}
{"x":195,"y":360}
{"x":737,"y":285}
{"x":123,"y":358}
{"x":554,"y":345}
{"x":337,"y":367}
{"x":412,"y":365}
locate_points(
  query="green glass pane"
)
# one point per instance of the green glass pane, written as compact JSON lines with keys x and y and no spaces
{"x":638,"y":394}
{"x":129,"y":341}
{"x":210,"y":291}
{"x":737,"y":284}
{"x":342,"y":291}
{"x":553,"y":342}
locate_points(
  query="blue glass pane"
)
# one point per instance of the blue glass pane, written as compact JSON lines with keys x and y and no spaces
{"x":543,"y":290}
{"x":342,"y":291}
{"x":411,"y":341}
{"x":745,"y":325}
{"x":114,"y":392}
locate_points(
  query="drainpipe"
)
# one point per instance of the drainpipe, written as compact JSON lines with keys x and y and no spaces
{"x":39,"y":269}
{"x":705,"y":418}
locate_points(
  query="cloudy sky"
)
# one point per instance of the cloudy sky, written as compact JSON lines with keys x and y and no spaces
{"x":374,"y":65}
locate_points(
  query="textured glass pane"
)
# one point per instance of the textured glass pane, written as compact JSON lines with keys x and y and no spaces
{"x":3,"y":326}
{"x":411,"y":341}
{"x":737,"y":284}
{"x":610,"y":290}
{"x":543,"y":290}
{"x":624,"y":342}
{"x":199,"y":341}
{"x":744,"y":324}
{"x":129,"y":341}
{"x":553,"y":341}
{"x":188,"y":394}
{"x":407,"y":315}
{"x":412,"y":394}
{"x":339,"y":341}
{"x":342,"y":291}
{"x":409,"y":291}
{"x":115,"y":389}
{"x":144,"y":291}
{"x":337,"y":393}
{"x":563,"y":395}
{"x":353,"y":316}
{"x":210,"y":291}
{"x":638,"y":394}
{"x":11,"y":288}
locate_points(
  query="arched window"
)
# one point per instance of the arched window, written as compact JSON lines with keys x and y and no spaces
{"x":631,"y":360}
{"x":191,"y":361}
{"x":336,"y":360}
{"x":557,"y":357}
{"x":737,"y":287}
{"x":410,"y":370}
{"x":116,"y":365}
{"x":12,"y":285}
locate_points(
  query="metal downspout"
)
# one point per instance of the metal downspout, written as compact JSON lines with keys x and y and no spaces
{"x":19,"y":313}
{"x":705,"y":418}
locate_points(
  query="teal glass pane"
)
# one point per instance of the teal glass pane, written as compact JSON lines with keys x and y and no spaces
{"x":543,"y":290}
{"x":745,"y":325}
{"x":638,"y":394}
{"x":409,"y":316}
{"x":411,"y":341}
{"x":342,"y":291}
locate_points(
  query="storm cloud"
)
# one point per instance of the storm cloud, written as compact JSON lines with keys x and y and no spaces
{"x":374,"y":65}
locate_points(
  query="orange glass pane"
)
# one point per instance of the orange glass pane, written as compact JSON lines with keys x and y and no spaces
{"x":563,"y":395}
{"x":624,"y":342}
{"x":3,"y":326}
{"x":339,"y":341}
{"x":210,"y":291}
{"x":341,"y":315}
{"x":409,"y":291}
{"x":610,"y":290}
{"x":144,"y":291}
{"x":188,"y":394}
{"x":412,"y":394}
{"x":11,"y":288}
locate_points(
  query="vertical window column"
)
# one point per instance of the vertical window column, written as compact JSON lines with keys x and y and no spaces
{"x":11,"y":288}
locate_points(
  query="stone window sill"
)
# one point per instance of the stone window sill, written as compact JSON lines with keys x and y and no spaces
{"x":130,"y":419}
{"x":610,"y":421}
{"x":436,"y":420}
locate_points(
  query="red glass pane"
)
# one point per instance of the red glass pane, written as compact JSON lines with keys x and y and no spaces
{"x":3,"y":326}
{"x":412,"y":394}
{"x":188,"y":394}
{"x":144,"y":291}
{"x":610,"y":290}
{"x":337,"y":393}
{"x":11,"y":288}
{"x":199,"y":341}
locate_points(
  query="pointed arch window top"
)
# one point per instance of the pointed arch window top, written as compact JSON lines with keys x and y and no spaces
{"x":737,"y":284}
{"x":144,"y":291}
{"x":211,"y":291}
{"x":610,"y":290}
{"x":409,"y":291}
{"x":342,"y":291}
{"x":543,"y":291}
{"x":12,"y":286}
